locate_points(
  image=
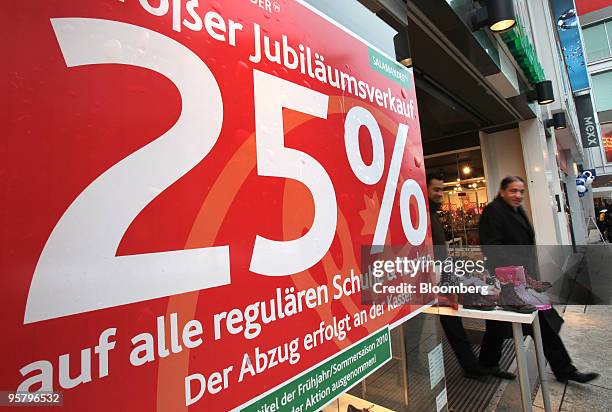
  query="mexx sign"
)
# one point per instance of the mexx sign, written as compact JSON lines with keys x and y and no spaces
{"x":586,"y":118}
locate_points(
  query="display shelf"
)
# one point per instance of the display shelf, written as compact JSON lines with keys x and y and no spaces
{"x":497,"y":314}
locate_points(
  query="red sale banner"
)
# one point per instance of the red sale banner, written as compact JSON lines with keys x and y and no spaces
{"x":186,"y":190}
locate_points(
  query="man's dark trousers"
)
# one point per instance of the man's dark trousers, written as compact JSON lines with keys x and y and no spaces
{"x":455,"y":333}
{"x":554,"y":350}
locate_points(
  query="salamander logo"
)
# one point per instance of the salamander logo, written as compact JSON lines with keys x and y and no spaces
{"x":268,"y":5}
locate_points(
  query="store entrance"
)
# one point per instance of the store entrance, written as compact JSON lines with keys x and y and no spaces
{"x":465,"y":195}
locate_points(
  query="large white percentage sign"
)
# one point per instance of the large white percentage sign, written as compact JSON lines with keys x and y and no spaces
{"x":371,"y":174}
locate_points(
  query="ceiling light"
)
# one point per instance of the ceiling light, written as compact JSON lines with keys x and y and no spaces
{"x":502,"y":26}
{"x":558,"y":121}
{"x":403,"y":53}
{"x":497,"y":15}
{"x":543,"y":93}
{"x":467,"y":170}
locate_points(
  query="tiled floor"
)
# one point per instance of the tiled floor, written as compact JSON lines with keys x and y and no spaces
{"x":587,"y":336}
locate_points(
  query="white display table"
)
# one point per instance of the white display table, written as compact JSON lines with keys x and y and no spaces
{"x":516,"y":319}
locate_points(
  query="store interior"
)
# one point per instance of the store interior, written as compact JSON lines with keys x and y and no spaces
{"x":465,"y":194}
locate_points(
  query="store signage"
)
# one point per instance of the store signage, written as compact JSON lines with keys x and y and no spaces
{"x":436,"y":366}
{"x":524,"y":53}
{"x":606,"y":138}
{"x":586,"y":120}
{"x":319,"y":386}
{"x":187,"y":187}
{"x":568,"y":27}
{"x":441,"y":400}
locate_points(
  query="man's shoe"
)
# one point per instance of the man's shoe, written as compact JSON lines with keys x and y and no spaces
{"x":498,"y":372}
{"x":475,"y":372}
{"x":578,"y":377}
{"x":472,"y":375}
{"x":502,"y":374}
{"x":352,"y":408}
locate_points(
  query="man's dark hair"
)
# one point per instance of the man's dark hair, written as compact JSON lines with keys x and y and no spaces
{"x":510,"y":179}
{"x":434,"y":176}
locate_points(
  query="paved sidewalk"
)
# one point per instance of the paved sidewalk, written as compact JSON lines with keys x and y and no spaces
{"x":587,"y":336}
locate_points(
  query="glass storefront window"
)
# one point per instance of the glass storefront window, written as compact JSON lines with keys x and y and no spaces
{"x":406,"y":383}
{"x":602,"y":90}
{"x":403,"y":384}
{"x":609,"y":33}
{"x":598,"y":39}
{"x":360,"y":21}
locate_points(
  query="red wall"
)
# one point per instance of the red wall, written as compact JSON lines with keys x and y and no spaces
{"x":588,"y":6}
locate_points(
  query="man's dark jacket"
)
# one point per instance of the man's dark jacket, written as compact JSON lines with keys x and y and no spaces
{"x":438,"y":237}
{"x":507,"y":239}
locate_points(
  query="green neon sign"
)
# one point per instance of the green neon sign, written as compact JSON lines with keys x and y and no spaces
{"x":524,"y":53}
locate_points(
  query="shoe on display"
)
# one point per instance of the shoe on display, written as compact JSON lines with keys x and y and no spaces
{"x":509,"y":300}
{"x":531,"y":297}
{"x":479,"y":301}
{"x":473,"y":281}
{"x":494,"y":285}
{"x":493,"y":281}
{"x":450,"y":299}
{"x":515,"y":274}
{"x":492,"y":292}
{"x":476,"y":301}
{"x":504,"y":273}
{"x":578,"y":377}
{"x":537,"y":285}
{"x":489,"y":283}
{"x":545,"y":299}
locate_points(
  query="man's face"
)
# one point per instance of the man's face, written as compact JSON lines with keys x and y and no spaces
{"x":513,"y":194}
{"x":435,"y":190}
